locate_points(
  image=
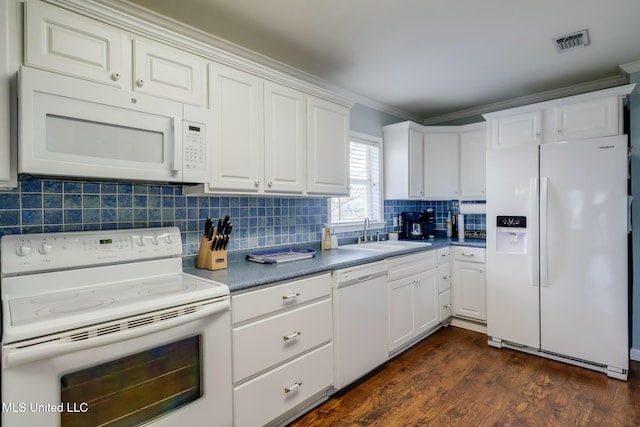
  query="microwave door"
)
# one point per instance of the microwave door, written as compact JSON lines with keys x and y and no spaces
{"x":71,"y":127}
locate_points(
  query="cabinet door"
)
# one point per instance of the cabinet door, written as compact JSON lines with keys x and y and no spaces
{"x":519,"y":129}
{"x":328,"y":147}
{"x":441,"y":165}
{"x":68,"y":43}
{"x":401,"y":318}
{"x":469,"y":290}
{"x":425,"y":300}
{"x":416,"y":165}
{"x":6,"y":74}
{"x":473,"y":164}
{"x":168,"y":73}
{"x":588,"y":119}
{"x":238,"y":147}
{"x":285,"y":138}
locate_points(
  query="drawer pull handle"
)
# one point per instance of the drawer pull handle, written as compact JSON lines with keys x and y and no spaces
{"x":293,"y":387}
{"x":290,"y":296}
{"x":445,"y":277}
{"x":467,"y":255}
{"x":292,"y":336}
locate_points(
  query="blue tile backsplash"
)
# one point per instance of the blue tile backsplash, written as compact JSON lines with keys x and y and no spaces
{"x":41,"y":205}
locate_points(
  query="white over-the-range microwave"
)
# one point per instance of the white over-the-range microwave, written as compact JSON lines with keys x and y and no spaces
{"x":70,"y":127}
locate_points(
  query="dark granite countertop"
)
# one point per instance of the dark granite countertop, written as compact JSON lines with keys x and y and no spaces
{"x":241,"y":274}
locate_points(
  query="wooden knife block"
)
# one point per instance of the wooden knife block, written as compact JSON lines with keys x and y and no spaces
{"x":208,"y":259}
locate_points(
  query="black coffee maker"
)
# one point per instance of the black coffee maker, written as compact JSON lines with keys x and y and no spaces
{"x":412,"y":225}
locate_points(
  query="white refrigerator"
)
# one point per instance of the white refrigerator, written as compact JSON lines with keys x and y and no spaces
{"x":557,"y":277}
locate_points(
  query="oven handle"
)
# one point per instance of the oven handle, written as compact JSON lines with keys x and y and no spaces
{"x":20,"y":356}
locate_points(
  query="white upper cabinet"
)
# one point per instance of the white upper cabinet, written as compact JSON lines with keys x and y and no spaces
{"x":441,"y":165}
{"x":168,"y":73}
{"x":519,"y":129}
{"x":588,"y":119}
{"x":589,"y":115}
{"x":403,"y":161}
{"x":58,"y":40}
{"x":285,"y":134}
{"x":473,"y":163}
{"x":328,"y":147}
{"x":8,"y":65}
{"x":238,"y":148}
{"x":434,"y":162}
{"x":72,"y":44}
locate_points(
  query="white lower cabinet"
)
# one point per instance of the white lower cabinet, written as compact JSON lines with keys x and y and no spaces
{"x":469,"y":287}
{"x":413,"y":297}
{"x":282,"y":341}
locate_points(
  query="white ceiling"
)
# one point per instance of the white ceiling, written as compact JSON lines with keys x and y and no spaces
{"x":427,"y":58}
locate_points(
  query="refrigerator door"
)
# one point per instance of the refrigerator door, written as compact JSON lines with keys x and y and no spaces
{"x":512,"y":254}
{"x":583,"y":250}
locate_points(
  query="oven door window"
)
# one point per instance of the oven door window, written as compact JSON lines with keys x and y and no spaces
{"x":134,"y":389}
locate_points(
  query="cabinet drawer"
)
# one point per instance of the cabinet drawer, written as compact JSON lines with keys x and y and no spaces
{"x":408,"y":265}
{"x":469,"y":254}
{"x":444,"y":302}
{"x":444,"y":277}
{"x":265,"y":398}
{"x":267,"y":342}
{"x":442,"y":255}
{"x":274,"y":298}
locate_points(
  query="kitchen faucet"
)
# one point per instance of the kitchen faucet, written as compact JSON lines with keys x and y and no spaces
{"x":366,"y":225}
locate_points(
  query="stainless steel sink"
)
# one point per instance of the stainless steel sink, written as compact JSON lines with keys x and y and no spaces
{"x":386,"y":246}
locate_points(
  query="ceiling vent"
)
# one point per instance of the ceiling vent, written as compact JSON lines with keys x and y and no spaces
{"x":571,"y":41}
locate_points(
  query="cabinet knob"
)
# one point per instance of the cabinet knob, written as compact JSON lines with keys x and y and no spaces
{"x":446,"y":306}
{"x":270,"y":184}
{"x":257,"y":183}
{"x":115,"y":77}
{"x":445,"y":277}
{"x":140,"y":82}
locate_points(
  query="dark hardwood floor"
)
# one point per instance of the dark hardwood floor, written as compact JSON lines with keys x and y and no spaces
{"x":453,"y":378}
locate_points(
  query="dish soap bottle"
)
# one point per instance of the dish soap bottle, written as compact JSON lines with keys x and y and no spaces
{"x":326,"y":241}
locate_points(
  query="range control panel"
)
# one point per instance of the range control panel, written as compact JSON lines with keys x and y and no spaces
{"x":26,"y":253}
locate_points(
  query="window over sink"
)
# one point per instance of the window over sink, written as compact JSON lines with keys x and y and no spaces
{"x":365,"y":187}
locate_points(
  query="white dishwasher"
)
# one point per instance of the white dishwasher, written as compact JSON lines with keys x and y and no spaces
{"x":360,"y":321}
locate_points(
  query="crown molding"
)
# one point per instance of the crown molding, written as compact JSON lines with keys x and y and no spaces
{"x":578,"y":89}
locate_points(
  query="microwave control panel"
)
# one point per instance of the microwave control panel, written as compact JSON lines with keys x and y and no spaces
{"x":194,"y":147}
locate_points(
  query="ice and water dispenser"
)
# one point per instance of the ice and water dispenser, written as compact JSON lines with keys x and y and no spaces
{"x":511,"y":234}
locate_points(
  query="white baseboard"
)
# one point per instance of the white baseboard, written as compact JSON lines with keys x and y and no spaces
{"x":469,"y":324}
{"x":635,"y":354}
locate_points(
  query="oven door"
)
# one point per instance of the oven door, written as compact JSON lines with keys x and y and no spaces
{"x":167,"y":368}
{"x":72,"y":127}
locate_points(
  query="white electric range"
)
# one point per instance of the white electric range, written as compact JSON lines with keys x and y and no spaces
{"x":77,"y":305}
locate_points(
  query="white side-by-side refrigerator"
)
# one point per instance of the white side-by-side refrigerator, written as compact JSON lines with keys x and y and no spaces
{"x":557,"y":277}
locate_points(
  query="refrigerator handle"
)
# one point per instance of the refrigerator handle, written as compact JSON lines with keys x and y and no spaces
{"x":544,"y":248}
{"x":533,"y":232}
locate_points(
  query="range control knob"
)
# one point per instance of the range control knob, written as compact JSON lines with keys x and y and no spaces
{"x":154,"y":240}
{"x":45,"y":248}
{"x":169,"y":239}
{"x":23,"y":249}
{"x":140,"y":241}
